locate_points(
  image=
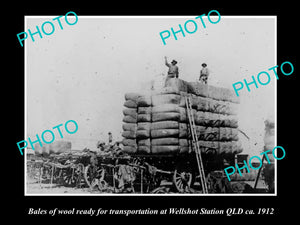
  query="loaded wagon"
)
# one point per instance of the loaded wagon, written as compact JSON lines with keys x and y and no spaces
{"x":158,"y":131}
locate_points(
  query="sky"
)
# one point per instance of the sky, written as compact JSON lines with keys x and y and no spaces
{"x":83,"y":71}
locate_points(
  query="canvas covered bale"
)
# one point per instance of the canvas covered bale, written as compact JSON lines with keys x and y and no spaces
{"x":229,"y":95}
{"x":144,"y":118}
{"x":165,"y":116}
{"x":144,"y":126}
{"x":164,"y":141}
{"x":144,"y":110}
{"x":129,"y":127}
{"x":129,"y":142}
{"x":165,"y":99}
{"x":142,"y":134}
{"x":165,"y":149}
{"x":208,"y":147}
{"x":44,"y":150}
{"x":236,"y":147}
{"x":164,"y":133}
{"x":61,"y":146}
{"x":130,"y":112}
{"x":144,"y":142}
{"x":144,"y":101}
{"x":165,"y":108}
{"x":164,"y":125}
{"x":130,"y":149}
{"x":177,"y":85}
{"x":129,"y":119}
{"x":132,"y":96}
{"x":228,"y":121}
{"x":129,"y":134}
{"x":184,"y":131}
{"x":199,"y":89}
{"x":130,"y":104}
{"x":184,"y":116}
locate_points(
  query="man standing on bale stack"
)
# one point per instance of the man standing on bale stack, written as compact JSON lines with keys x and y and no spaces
{"x":173,"y":70}
{"x":204,"y":74}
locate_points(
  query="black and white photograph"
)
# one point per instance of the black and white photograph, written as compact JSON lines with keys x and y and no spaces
{"x":185,"y":115}
{"x":153,"y":115}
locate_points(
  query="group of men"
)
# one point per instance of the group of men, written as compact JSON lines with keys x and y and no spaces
{"x":174,"y":72}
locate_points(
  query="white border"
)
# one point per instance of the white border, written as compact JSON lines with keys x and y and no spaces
{"x":165,"y":195}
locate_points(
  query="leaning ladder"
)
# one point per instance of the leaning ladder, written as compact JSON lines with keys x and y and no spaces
{"x":196,"y":143}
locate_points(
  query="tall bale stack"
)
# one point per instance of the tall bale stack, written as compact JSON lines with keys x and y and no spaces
{"x":160,"y":123}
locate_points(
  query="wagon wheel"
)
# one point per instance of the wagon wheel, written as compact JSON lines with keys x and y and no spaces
{"x":72,"y":175}
{"x":92,"y":174}
{"x":183,"y":177}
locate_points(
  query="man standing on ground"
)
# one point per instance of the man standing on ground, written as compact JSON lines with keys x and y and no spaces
{"x":204,"y":74}
{"x":173,"y":69}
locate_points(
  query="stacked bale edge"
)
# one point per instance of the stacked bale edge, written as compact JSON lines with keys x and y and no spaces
{"x":159,"y":123}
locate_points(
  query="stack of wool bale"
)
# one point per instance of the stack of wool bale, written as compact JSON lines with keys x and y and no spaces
{"x":157,"y":122}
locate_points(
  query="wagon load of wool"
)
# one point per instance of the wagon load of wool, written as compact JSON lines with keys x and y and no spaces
{"x":56,"y":147}
{"x":156,"y":122}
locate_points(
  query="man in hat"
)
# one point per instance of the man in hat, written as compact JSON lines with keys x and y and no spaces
{"x":204,"y":74}
{"x":173,"y":70}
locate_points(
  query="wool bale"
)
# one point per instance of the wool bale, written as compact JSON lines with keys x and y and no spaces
{"x":59,"y":147}
{"x":129,"y":142}
{"x":130,"y":104}
{"x":209,"y":134}
{"x":129,"y":126}
{"x":142,"y":134}
{"x":228,"y":121}
{"x":165,"y":108}
{"x":44,"y":150}
{"x":165,"y":116}
{"x":202,"y":103}
{"x":129,"y":134}
{"x":184,"y":131}
{"x":168,"y":90}
{"x":164,"y":141}
{"x":144,"y":118}
{"x":213,"y":120}
{"x":129,"y":119}
{"x":194,"y":100}
{"x":208,"y":147}
{"x":184,"y":142}
{"x":225,"y":134}
{"x":144,"y":101}
{"x":229,"y":95}
{"x":144,"y":149}
{"x":164,"y":125}
{"x":165,"y":99}
{"x":130,"y":149}
{"x":165,"y":149}
{"x":199,"y":89}
{"x":177,"y":84}
{"x":132,"y":96}
{"x":144,"y":126}
{"x":144,"y":142}
{"x":200,"y":118}
{"x":184,"y":116}
{"x":234,"y":134}
{"x":164,"y":133}
{"x":225,"y":147}
{"x":144,"y":110}
{"x":236,"y":147}
{"x":214,"y":92}
{"x":130,"y":112}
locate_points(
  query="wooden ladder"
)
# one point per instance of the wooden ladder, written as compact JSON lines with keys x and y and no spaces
{"x":196,"y":143}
